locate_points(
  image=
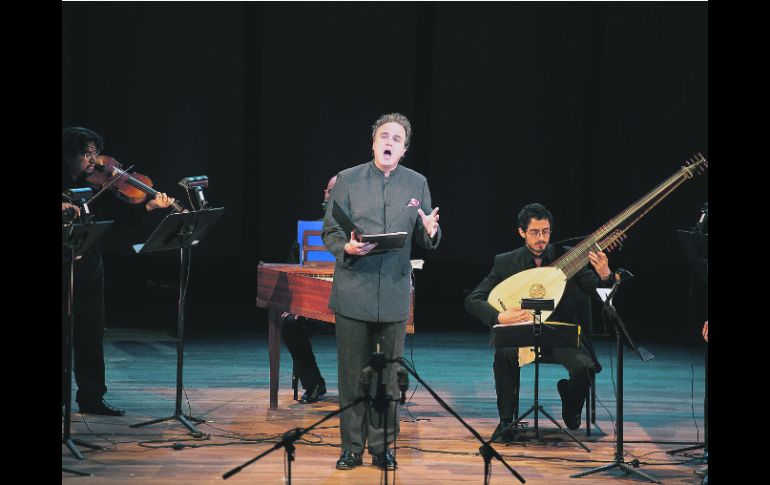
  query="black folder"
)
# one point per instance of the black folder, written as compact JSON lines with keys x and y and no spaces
{"x":391,"y":240}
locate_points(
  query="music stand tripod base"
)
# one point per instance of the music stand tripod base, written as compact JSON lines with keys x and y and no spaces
{"x":184,"y":419}
{"x":622,"y":466}
{"x":75,"y":472}
{"x":71,"y":442}
{"x":540,"y":409}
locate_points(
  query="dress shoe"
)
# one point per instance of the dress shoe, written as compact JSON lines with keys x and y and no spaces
{"x":570,"y":411}
{"x":384,"y":461}
{"x":503,"y":435}
{"x":349,"y":460}
{"x":313,"y":394}
{"x":99,"y":407}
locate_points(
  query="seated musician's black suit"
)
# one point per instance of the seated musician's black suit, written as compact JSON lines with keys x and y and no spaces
{"x":296,"y":332}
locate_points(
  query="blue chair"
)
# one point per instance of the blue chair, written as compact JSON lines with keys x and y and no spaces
{"x":311,"y":247}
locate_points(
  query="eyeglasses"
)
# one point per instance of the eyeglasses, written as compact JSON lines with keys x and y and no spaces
{"x":538,"y":232}
{"x":91,"y":151}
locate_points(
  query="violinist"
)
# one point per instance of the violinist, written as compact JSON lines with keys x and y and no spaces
{"x":81,"y":148}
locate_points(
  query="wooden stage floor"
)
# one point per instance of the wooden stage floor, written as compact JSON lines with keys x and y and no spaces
{"x":226,"y":384}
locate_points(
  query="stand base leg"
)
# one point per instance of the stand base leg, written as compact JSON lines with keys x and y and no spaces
{"x":521,"y":417}
{"x":74,"y":450}
{"x":543,"y":411}
{"x":703,"y":459}
{"x":682,"y":450}
{"x":574,"y":438}
{"x":618,"y":464}
{"x":704,"y":474}
{"x":182,"y":418}
{"x":75,"y":472}
{"x":487,"y":453}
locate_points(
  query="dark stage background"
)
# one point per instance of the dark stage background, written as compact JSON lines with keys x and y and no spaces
{"x":583,"y":107}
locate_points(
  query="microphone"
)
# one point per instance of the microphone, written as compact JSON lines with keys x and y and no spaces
{"x":622,"y":274}
{"x":403,"y":383}
{"x":704,"y":216}
{"x":366,"y":379}
{"x":193,"y":182}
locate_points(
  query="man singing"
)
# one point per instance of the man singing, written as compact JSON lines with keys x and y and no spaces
{"x":371,"y":290}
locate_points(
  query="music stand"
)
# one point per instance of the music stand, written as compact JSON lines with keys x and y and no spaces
{"x":622,"y":335}
{"x":180,"y":231}
{"x":696,"y":247}
{"x":552,"y":339}
{"x":77,"y":240}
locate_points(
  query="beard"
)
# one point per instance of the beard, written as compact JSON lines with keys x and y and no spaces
{"x":535,"y":250}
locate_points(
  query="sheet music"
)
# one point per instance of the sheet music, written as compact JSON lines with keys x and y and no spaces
{"x":527,"y":354}
{"x":530,"y":322}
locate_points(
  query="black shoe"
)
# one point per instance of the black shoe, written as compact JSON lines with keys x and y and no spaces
{"x":313,"y":394}
{"x":349,"y":460}
{"x":570,"y":412}
{"x":99,"y":407}
{"x":384,"y":461}
{"x":503,"y":435}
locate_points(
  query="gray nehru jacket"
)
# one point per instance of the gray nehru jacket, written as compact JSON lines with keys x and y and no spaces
{"x":376,"y":287}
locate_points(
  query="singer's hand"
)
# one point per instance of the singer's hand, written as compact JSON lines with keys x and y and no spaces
{"x":356,"y":248}
{"x":161,"y":201}
{"x":600,"y":264}
{"x":430,"y":221}
{"x":514,"y":316}
{"x":705,"y":331}
{"x":67,"y":205}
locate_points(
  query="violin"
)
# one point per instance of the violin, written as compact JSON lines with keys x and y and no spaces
{"x":133,"y":188}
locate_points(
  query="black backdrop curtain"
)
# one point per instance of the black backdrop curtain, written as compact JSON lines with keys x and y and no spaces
{"x":583,"y":107}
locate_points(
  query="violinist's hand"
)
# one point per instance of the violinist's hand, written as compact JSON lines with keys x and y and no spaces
{"x":514,"y":316}
{"x":705,"y":331}
{"x":161,"y":201}
{"x":356,"y":248}
{"x":600,"y":264}
{"x":67,"y":205}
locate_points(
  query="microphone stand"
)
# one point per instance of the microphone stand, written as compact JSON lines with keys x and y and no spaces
{"x":486,"y":450}
{"x":380,"y":402}
{"x":290,"y":437}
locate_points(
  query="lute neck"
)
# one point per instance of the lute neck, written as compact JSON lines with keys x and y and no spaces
{"x":610,"y":233}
